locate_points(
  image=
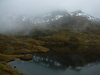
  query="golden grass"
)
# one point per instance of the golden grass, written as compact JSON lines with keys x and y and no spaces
{"x":5,"y":69}
{"x":10,"y":46}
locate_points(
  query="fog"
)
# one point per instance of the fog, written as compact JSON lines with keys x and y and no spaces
{"x":38,"y":7}
{"x":34,"y":7}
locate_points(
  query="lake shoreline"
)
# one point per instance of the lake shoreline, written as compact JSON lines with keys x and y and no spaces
{"x":41,"y":64}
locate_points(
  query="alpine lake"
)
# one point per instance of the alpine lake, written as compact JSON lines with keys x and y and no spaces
{"x":71,"y":61}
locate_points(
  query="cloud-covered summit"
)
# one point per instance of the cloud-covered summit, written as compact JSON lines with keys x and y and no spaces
{"x":35,"y":7}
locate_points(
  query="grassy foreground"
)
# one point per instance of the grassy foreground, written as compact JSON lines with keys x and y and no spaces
{"x":11,"y":48}
{"x":5,"y":69}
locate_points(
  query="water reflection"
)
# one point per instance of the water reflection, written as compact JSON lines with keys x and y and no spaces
{"x":63,"y":62}
{"x":77,"y":61}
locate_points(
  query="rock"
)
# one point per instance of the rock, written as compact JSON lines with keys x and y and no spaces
{"x":21,"y":48}
{"x":3,"y":63}
{"x":6,"y":41}
{"x":26,"y":57}
{"x":9,"y":50}
{"x":13,"y":42}
{"x":24,"y":45}
{"x":14,"y":66}
{"x":24,"y":52}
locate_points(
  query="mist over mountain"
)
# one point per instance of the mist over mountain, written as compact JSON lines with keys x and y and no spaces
{"x":36,"y":7}
{"x":20,"y":15}
{"x":12,"y":23}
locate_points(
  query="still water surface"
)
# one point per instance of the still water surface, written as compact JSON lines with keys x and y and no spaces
{"x":57,"y":65}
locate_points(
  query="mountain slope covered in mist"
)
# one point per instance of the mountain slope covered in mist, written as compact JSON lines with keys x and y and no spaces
{"x":68,"y":29}
{"x":77,"y":20}
{"x":52,"y":25}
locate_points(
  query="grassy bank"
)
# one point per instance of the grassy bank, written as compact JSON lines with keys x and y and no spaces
{"x":11,"y":48}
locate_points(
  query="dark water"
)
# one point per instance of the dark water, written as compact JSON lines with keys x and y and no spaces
{"x":59,"y":64}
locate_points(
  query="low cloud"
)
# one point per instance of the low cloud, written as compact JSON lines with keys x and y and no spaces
{"x":38,"y":7}
{"x":35,"y":7}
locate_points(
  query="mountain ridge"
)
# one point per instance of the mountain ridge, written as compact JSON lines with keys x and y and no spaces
{"x":78,"y":20}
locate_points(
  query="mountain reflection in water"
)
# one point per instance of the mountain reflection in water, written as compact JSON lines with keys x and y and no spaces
{"x":51,"y":63}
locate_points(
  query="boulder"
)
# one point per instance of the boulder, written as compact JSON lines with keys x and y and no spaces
{"x":26,"y":57}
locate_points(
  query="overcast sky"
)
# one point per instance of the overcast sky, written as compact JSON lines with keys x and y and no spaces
{"x":33,"y":7}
